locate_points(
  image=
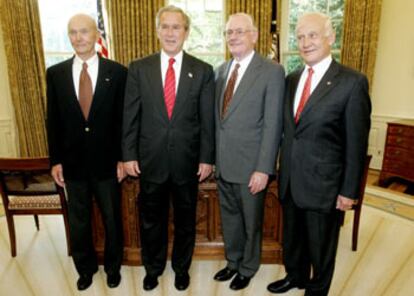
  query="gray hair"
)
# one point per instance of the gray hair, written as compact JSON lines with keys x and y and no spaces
{"x":172,"y":8}
{"x":247,"y":16}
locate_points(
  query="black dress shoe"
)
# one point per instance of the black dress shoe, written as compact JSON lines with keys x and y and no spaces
{"x":239,"y":282}
{"x":182,"y":281}
{"x":225,"y":274}
{"x":113,"y":279}
{"x":150,"y":282}
{"x":282,"y":286}
{"x":84,"y":281}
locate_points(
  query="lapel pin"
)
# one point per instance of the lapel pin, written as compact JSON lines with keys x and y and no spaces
{"x":328,"y":83}
{"x":107,"y":79}
{"x":190,"y":74}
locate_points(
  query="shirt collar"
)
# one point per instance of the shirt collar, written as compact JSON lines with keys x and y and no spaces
{"x":178,"y":57}
{"x":91,"y":61}
{"x":322,"y":66}
{"x":245,"y":61}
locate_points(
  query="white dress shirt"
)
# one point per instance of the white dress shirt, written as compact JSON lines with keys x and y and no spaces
{"x":93,"y":66}
{"x":177,"y":67}
{"x":318,"y":71}
{"x":244,"y":63}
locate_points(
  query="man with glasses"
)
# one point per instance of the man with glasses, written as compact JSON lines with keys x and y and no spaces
{"x":168,"y":139}
{"x":249,"y":100}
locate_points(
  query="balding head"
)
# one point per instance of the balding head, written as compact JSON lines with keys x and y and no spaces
{"x":317,"y":17}
{"x":83,"y":34}
{"x":83,"y":18}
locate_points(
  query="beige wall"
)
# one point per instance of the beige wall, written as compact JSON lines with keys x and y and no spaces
{"x":392,"y":93}
{"x":5,"y":99}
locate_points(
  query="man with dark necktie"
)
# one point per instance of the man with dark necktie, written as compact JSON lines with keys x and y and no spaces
{"x":84,"y":117}
{"x":249,"y":100}
{"x":168,"y":140}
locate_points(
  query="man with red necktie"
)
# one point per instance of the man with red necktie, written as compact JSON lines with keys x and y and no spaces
{"x":168,"y":140}
{"x":326,"y":124}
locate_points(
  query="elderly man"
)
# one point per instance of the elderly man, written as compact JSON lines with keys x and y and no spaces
{"x":249,"y":100}
{"x":84,"y":109}
{"x":326,"y":125}
{"x":168,"y":139}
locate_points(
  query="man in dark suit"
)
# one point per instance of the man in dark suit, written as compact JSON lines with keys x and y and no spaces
{"x":326,"y":125}
{"x":168,"y":139}
{"x":84,"y":110}
{"x":249,"y":103}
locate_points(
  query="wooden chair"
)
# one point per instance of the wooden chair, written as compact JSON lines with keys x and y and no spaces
{"x":357,"y":207}
{"x":27,"y":188}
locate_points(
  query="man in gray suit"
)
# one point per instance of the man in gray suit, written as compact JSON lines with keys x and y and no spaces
{"x":248,"y":112}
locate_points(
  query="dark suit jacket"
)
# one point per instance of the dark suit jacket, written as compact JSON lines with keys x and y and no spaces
{"x":324,"y":154}
{"x":85,"y":148}
{"x":166,"y":147}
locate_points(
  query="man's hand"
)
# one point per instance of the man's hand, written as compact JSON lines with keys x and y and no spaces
{"x":120,"y":172}
{"x":204,"y":170}
{"x":57,"y":174}
{"x":344,"y":203}
{"x":258,"y":182}
{"x":132,"y":168}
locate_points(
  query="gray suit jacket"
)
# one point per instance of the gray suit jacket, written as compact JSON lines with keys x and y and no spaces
{"x":248,"y":137}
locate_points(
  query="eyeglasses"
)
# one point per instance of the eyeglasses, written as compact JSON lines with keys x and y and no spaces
{"x":237,"y":32}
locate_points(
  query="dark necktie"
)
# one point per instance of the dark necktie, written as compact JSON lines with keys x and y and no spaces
{"x":85,"y":91}
{"x":228,"y":93}
{"x":305,"y":95}
{"x":169,"y":88}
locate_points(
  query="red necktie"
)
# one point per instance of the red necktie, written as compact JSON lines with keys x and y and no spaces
{"x":169,"y":88}
{"x":85,"y":91}
{"x":228,"y":93}
{"x":305,"y":95}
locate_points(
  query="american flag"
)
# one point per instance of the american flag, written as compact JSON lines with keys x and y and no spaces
{"x":102,"y":44}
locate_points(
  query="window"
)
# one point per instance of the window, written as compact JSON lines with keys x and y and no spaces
{"x":291,"y":10}
{"x":54,"y":17}
{"x":206,"y":39}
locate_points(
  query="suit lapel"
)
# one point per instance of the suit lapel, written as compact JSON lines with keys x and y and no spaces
{"x":221,"y":85}
{"x":69,"y":86}
{"x":154,"y":78}
{"x":327,"y":82}
{"x":293,"y":85}
{"x":186,"y":77}
{"x":103,"y":83}
{"x":245,"y":84}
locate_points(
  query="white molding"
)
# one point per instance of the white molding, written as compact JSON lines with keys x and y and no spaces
{"x":8,"y":148}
